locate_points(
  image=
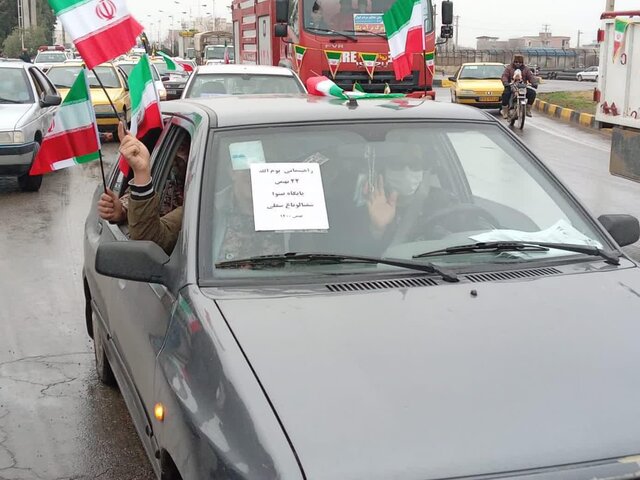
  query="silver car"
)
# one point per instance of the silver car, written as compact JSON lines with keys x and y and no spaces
{"x":27,"y":103}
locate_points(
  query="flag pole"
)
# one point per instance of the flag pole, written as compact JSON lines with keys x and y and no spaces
{"x":115,"y":110}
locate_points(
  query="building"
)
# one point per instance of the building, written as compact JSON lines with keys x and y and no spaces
{"x":490,"y":43}
{"x":27,"y":14}
{"x":542,"y":40}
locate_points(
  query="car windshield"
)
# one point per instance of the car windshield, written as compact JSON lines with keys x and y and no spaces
{"x":383,"y":190}
{"x":360,"y":17}
{"x":64,"y":76}
{"x":481,"y":72}
{"x":217,"y":52}
{"x":14,"y":86}
{"x":50,"y":57}
{"x":209,"y":85}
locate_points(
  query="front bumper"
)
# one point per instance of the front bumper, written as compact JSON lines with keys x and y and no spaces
{"x":173,"y":91}
{"x":485,"y":101}
{"x":15,"y":160}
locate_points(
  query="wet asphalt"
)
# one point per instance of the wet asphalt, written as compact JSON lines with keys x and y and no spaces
{"x":57,"y":422}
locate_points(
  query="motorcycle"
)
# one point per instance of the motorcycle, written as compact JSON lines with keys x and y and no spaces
{"x":518,"y":103}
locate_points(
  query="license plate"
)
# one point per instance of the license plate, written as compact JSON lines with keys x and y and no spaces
{"x":489,"y":99}
{"x":172,"y":92}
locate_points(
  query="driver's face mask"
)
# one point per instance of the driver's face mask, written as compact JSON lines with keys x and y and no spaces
{"x":404,"y":181}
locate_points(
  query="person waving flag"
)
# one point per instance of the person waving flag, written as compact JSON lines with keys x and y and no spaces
{"x":100,"y":29}
{"x":404,"y":24}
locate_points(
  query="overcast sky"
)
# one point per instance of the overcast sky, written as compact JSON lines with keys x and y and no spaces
{"x":498,"y":18}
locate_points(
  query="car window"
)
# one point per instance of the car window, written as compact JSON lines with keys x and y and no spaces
{"x":481,"y":72}
{"x":37,"y":83}
{"x":345,"y":189}
{"x":169,"y":171}
{"x":44,"y":82}
{"x":50,"y":57}
{"x":15,"y":86}
{"x":63,"y":76}
{"x":209,"y":85}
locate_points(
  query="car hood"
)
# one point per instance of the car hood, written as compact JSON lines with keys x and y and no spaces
{"x":11,"y":115}
{"x":439,"y":382}
{"x":481,"y":85}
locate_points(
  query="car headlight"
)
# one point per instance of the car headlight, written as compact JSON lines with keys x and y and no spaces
{"x":11,"y":137}
{"x":162,"y":93}
{"x":467,"y":92}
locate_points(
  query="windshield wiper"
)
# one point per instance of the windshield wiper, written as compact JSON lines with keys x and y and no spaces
{"x":8,"y":100}
{"x":333,"y":32}
{"x":381,"y":35}
{"x":329,"y":258}
{"x":609,"y":256}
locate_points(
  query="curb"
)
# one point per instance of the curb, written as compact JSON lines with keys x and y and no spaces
{"x":565,"y":114}
{"x":442,"y":83}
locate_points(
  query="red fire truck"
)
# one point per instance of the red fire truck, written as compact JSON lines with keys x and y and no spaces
{"x":341,"y":39}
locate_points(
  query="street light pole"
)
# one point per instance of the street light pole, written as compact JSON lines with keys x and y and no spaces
{"x":611,"y":6}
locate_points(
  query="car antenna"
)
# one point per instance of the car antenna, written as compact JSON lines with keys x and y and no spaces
{"x":352,"y":101}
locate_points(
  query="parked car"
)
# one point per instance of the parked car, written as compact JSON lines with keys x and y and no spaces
{"x":27,"y":103}
{"x":478,"y":84}
{"x":45,"y":59}
{"x":174,"y":81}
{"x":238,"y":79}
{"x":590,"y":73}
{"x":115,"y":83}
{"x":475,"y":329}
{"x":127,"y":66}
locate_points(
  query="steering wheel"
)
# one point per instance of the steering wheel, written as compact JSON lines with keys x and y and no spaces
{"x":458,"y":218}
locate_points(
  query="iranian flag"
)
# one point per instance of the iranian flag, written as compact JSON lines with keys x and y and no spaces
{"x":300,"y":51}
{"x":172,"y":65}
{"x":72,"y":137}
{"x":369,"y":61}
{"x":145,"y":104}
{"x":404,"y":25}
{"x":333,"y":59}
{"x":621,"y":26}
{"x":100,"y":29}
{"x":324,"y":87}
{"x":430,"y":61}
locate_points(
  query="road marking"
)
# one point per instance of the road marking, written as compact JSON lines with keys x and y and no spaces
{"x":559,"y":133}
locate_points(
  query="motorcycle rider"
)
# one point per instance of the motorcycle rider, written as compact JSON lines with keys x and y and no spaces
{"x":507,"y":78}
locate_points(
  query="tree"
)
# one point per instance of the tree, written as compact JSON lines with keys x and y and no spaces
{"x":33,"y":38}
{"x":9,"y":19}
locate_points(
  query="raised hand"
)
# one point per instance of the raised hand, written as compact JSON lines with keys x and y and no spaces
{"x":110,"y":207}
{"x":382,"y":207}
{"x":136,"y":155}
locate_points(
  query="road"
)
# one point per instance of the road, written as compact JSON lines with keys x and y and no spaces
{"x":56,"y":420}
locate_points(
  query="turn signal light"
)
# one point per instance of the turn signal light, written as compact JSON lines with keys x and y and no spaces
{"x":596,"y":95}
{"x":600,"y":35}
{"x":158,"y":411}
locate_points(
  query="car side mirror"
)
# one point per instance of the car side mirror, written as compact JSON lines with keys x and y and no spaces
{"x":624,"y":229}
{"x":165,"y":78}
{"x":452,"y":79}
{"x":50,"y":100}
{"x":140,"y":261}
{"x":282,"y":11}
{"x":447,"y":12}
{"x":280,"y":30}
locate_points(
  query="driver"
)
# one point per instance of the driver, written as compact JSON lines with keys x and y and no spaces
{"x":527,"y":76}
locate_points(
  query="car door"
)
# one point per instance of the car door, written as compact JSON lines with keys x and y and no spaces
{"x":140,"y":312}
{"x":44,"y":87}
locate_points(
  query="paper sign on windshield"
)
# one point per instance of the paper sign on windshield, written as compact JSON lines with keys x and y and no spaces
{"x":288,"y":196}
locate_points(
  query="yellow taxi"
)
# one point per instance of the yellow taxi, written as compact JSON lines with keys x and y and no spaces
{"x":478,"y":84}
{"x":64,"y":74}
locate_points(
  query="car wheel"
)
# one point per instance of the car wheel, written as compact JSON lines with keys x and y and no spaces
{"x":103,"y":368}
{"x":579,"y":78}
{"x":596,"y":79}
{"x":30,"y":183}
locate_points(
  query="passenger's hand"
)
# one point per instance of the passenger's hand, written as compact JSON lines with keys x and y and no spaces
{"x":136,"y":155}
{"x":110,"y":207}
{"x":382,"y":207}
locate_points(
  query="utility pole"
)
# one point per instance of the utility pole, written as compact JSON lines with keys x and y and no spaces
{"x":456,"y":20}
{"x":580,"y":32}
{"x":21,"y":22}
{"x":611,"y":6}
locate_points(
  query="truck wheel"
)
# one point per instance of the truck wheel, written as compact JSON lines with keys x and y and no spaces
{"x":30,"y":183}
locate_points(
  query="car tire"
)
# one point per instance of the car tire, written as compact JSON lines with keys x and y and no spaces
{"x":579,"y":78}
{"x":103,"y":368}
{"x":596,"y":79}
{"x":31,"y":183}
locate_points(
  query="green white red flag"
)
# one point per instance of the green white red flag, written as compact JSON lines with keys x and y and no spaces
{"x":145,"y":104}
{"x":404,"y":25}
{"x":172,"y":65}
{"x":369,"y":61}
{"x":72,"y":137}
{"x":100,"y":29}
{"x":334,"y":57}
{"x":620,"y":31}
{"x":430,"y":62}
{"x":324,"y":87}
{"x":299,"y":51}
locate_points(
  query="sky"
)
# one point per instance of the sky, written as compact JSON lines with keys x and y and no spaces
{"x":498,"y":18}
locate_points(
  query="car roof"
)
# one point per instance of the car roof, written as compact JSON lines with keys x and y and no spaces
{"x":483,"y":63}
{"x":241,"y":69}
{"x":15,"y":64}
{"x":241,"y":110}
{"x":76,"y":63}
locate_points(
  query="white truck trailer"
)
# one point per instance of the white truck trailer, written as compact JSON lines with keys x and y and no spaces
{"x":618,"y":91}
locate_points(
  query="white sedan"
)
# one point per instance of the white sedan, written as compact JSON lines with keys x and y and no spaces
{"x":590,"y":73}
{"x":233,"y":79}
